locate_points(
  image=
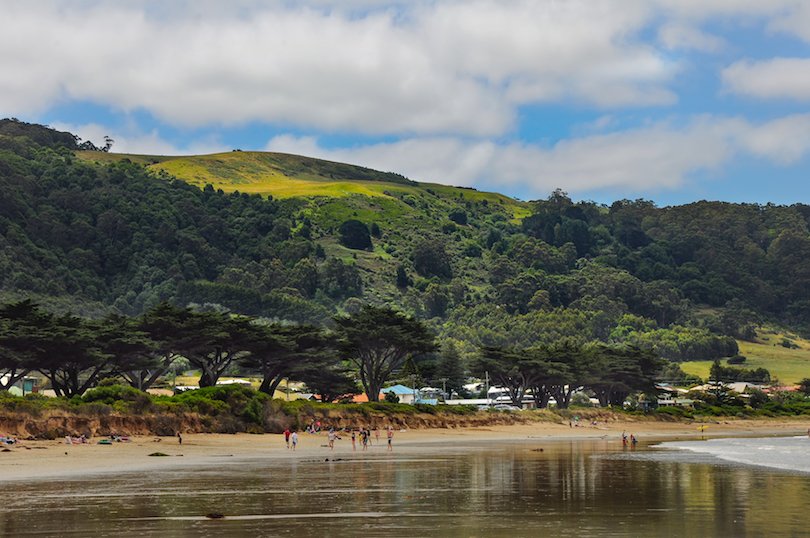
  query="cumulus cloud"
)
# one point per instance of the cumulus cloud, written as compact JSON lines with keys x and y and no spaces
{"x":131,"y":140}
{"x":421,"y":68}
{"x":776,"y":78}
{"x":678,"y":35}
{"x":652,"y":157}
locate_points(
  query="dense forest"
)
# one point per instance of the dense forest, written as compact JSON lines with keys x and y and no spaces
{"x":102,"y":238}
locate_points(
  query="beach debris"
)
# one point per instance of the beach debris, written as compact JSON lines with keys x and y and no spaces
{"x":156,"y":454}
{"x":214,"y":515}
{"x":6,"y":450}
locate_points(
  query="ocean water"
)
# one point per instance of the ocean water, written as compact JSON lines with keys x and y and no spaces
{"x":514,"y":488}
{"x":785,"y":453}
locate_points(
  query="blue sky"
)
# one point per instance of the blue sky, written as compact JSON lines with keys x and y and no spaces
{"x":670,"y":100}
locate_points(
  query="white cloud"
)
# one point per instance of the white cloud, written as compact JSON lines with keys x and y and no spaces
{"x":678,"y":35}
{"x":420,"y":68}
{"x":784,"y":141}
{"x":653,"y":157}
{"x":776,"y":78}
{"x":130,"y":140}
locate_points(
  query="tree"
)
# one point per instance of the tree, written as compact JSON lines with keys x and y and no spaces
{"x":173,"y":332}
{"x":620,"y":370}
{"x":355,"y":235}
{"x":70,"y":356}
{"x":431,"y":259}
{"x":377,"y":341}
{"x":130,"y":350}
{"x":23,"y":326}
{"x":331,"y":381}
{"x":217,"y":341}
{"x":450,"y":370}
{"x":287,"y":351}
{"x":403,"y":281}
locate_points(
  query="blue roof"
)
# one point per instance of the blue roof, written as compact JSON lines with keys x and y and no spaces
{"x":398,"y":389}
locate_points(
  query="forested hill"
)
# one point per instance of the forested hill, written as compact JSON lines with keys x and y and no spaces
{"x":299,"y":239}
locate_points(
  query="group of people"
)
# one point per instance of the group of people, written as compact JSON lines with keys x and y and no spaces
{"x":291,"y":436}
{"x":633,"y":441}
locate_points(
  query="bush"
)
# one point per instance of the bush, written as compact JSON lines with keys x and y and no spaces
{"x":674,"y":411}
{"x":736,"y":359}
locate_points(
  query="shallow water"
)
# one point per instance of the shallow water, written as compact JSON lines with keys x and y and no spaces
{"x":576,"y":488}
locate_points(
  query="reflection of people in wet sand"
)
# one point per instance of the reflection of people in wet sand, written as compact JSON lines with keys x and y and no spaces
{"x":390,"y":437}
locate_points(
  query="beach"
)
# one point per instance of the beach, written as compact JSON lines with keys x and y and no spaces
{"x":44,"y":460}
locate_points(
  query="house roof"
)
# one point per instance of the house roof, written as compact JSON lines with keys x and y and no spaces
{"x":398,"y":389}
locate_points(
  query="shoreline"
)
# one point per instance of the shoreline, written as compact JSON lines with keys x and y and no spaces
{"x":45,"y":460}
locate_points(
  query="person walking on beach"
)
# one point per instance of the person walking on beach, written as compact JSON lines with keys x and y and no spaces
{"x":377,"y":434}
{"x":390,"y":438}
{"x":179,"y":439}
{"x":331,"y":437}
{"x":294,"y":440}
{"x":354,"y":440}
{"x":287,"y":436}
{"x":364,"y":435}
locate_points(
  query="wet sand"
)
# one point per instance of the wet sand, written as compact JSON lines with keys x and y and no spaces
{"x":44,"y":460}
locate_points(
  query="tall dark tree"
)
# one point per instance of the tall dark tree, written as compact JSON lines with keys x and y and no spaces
{"x":219,"y":340}
{"x":70,"y":356}
{"x":287,"y":351}
{"x":377,"y":341}
{"x":450,"y":370}
{"x":354,"y":234}
{"x":23,"y":326}
{"x":620,"y":370}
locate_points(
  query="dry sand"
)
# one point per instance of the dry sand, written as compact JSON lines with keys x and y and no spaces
{"x":43,"y":460}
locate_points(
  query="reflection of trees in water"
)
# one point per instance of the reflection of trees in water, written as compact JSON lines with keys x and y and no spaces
{"x":577,"y":485}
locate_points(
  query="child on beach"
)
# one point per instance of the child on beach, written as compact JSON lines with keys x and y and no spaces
{"x":294,"y":440}
{"x":287,"y":437}
{"x":331,"y":437}
{"x":390,"y":438}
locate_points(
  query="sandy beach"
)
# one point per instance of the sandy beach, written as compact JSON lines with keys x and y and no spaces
{"x":44,"y":460}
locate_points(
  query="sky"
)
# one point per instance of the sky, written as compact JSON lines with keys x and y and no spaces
{"x":668,"y":100}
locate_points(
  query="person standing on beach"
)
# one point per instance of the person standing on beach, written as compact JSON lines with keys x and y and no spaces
{"x":179,"y":439}
{"x":294,"y":440}
{"x":390,"y":438}
{"x":354,"y":441}
{"x":287,"y":437}
{"x":331,"y":437}
{"x":377,"y":434}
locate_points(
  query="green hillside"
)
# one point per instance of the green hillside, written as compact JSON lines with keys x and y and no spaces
{"x":283,"y":175}
{"x":786,"y":357}
{"x":300,"y":239}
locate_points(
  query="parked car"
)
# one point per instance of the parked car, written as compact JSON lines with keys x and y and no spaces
{"x":506,"y":407}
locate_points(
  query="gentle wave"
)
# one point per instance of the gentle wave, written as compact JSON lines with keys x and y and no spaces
{"x":786,"y":453}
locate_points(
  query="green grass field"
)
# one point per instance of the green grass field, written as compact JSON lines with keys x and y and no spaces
{"x":288,"y":176}
{"x":789,"y":366}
